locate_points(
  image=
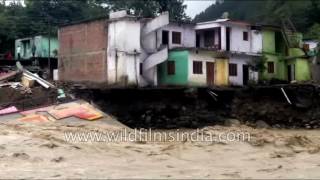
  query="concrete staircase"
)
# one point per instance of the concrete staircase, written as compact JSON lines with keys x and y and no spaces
{"x":153,"y":54}
{"x":155,"y":58}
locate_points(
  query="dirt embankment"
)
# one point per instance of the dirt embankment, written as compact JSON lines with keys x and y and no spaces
{"x":193,"y":108}
{"x":158,"y":109}
{"x":269,"y":104}
{"x":25,"y":99}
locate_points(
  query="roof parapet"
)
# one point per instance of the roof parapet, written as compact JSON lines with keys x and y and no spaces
{"x":118,"y":14}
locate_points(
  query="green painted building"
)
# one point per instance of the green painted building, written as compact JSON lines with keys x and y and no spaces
{"x":175,"y":70}
{"x":39,"y":45}
{"x":298,"y":67}
{"x":283,"y":62}
{"x":194,"y":68}
{"x":274,"y":51}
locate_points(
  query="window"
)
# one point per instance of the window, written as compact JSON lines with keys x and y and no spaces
{"x":171,"y":67}
{"x":233,"y":70}
{"x":306,"y":47}
{"x":176,"y":37}
{"x":245,"y":36}
{"x":141,"y":70}
{"x":197,"y":67}
{"x":270,"y":67}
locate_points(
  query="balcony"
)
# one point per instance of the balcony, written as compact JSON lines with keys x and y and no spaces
{"x":209,"y":39}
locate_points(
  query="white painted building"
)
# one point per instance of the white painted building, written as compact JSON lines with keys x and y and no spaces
{"x":240,"y":40}
{"x":132,"y":49}
{"x":123,"y":50}
{"x":136,"y":47}
{"x":243,"y":74}
{"x":227,"y":35}
{"x":177,"y":35}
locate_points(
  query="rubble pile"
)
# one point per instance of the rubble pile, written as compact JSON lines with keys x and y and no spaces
{"x":22,"y":90}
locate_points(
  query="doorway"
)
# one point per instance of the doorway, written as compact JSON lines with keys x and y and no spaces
{"x":228,"y":33}
{"x":291,"y":72}
{"x":165,"y":37}
{"x":245,"y":71}
{"x":210,"y":73}
{"x":198,"y":41}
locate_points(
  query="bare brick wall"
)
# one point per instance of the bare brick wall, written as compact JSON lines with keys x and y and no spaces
{"x":83,"y":52}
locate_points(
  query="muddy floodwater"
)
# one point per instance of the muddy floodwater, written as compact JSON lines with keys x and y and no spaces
{"x":42,"y":151}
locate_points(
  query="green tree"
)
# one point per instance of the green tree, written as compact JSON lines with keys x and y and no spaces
{"x":313,"y":32}
{"x":19,"y":21}
{"x":13,"y":25}
{"x":150,"y":8}
{"x":302,"y":13}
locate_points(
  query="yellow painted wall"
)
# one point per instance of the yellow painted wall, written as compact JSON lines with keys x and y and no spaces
{"x":204,"y":57}
{"x":221,"y":72}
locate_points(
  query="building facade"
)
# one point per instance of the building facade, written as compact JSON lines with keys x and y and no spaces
{"x":225,"y":50}
{"x":37,"y":46}
{"x":285,"y":59}
{"x":117,"y":52}
{"x":125,"y":50}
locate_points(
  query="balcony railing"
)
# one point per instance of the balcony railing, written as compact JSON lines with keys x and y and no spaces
{"x":215,"y":47}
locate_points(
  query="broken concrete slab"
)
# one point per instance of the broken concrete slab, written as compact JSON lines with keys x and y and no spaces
{"x":35,"y":77}
{"x":9,"y":75}
{"x":8,"y":110}
{"x":39,"y":80}
{"x":34,"y":111}
{"x":13,"y":85}
{"x":34,"y":118}
{"x":27,"y":82}
{"x":79,"y":111}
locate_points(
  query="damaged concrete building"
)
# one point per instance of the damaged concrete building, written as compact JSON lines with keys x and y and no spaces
{"x":126,"y":50}
{"x":117,"y":52}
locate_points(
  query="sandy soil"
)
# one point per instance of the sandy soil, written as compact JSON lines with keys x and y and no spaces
{"x":40,"y":151}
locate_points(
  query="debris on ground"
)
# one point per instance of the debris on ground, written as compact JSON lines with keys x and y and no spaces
{"x":11,"y":109}
{"x":34,"y":118}
{"x":22,"y":90}
{"x":77,"y":109}
{"x":8,"y":75}
{"x":35,"y":77}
